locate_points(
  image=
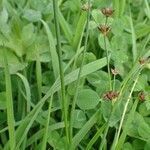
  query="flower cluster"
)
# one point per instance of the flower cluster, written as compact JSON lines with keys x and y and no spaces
{"x":104,"y":29}
{"x":111,"y":95}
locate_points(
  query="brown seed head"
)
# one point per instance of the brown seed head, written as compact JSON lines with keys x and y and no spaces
{"x":110,"y":95}
{"x":104,"y":29}
{"x":107,"y":11}
{"x":141,"y":96}
{"x":86,"y":7}
{"x":114,"y":71}
{"x":142,"y":61}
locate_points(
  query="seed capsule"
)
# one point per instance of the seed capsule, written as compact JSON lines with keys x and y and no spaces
{"x":104,"y":29}
{"x":107,"y":12}
{"x":114,"y":71}
{"x":110,"y":95}
{"x":141,"y":96}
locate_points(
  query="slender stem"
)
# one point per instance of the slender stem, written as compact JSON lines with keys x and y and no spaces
{"x":80,"y":71}
{"x":107,"y":53}
{"x":108,"y":65}
{"x":114,"y":80}
{"x":106,"y":130}
{"x":124,"y":112}
{"x":64,"y":102}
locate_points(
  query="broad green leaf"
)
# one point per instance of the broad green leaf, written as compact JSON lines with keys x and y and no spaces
{"x":147,"y":145}
{"x":32,"y":15}
{"x":79,"y":118}
{"x":87,"y":99}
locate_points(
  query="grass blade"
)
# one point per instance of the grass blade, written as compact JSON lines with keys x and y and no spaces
{"x":79,"y":31}
{"x":129,"y":120}
{"x":52,"y":49}
{"x":95,"y":137}
{"x":9,"y":104}
{"x":84,"y":130}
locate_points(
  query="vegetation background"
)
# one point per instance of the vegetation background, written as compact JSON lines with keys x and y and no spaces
{"x":74,"y":74}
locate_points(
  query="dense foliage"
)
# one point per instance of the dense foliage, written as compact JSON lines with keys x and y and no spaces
{"x":74,"y":74}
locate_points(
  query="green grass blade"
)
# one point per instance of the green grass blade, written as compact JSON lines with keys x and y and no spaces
{"x":61,"y":69}
{"x":39,"y":135}
{"x":47,"y":125}
{"x":65,"y":27}
{"x":38,"y":75}
{"x":134,"y":47}
{"x":124,"y":112}
{"x":116,"y":4}
{"x":27,"y":89}
{"x":79,"y":31}
{"x":84,"y":130}
{"x":26,"y":124}
{"x":95,"y":137}
{"x":122,"y":7}
{"x":9,"y":104}
{"x":52,"y":49}
{"x":129,"y":120}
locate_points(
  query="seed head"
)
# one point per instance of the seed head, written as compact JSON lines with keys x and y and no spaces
{"x":141,"y":96}
{"x":143,"y":61}
{"x":86,"y":7}
{"x":104,"y":29}
{"x":110,"y":95}
{"x":114,"y":71}
{"x":107,"y":11}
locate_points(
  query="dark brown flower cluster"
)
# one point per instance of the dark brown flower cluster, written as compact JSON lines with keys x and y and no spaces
{"x":143,"y":61}
{"x":105,"y":29}
{"x":110,"y":95}
{"x":107,"y":11}
{"x":141,"y":96}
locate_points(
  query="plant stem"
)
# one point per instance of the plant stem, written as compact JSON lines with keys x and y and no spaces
{"x":63,"y":98}
{"x":114,"y":83}
{"x":124,"y":112}
{"x":106,"y":130}
{"x":80,"y":71}
{"x":107,"y":55}
{"x":108,"y":65}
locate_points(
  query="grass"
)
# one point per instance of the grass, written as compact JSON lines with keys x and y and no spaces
{"x":51,"y":52}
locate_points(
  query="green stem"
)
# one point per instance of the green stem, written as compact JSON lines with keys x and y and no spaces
{"x":79,"y":74}
{"x":106,"y":130}
{"x":114,"y":80}
{"x":64,"y":102}
{"x":108,"y":65}
{"x":124,"y":112}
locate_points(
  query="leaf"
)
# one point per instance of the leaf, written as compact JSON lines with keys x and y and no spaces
{"x":127,"y":146}
{"x":87,"y":99}
{"x":23,"y":129}
{"x":147,"y":145}
{"x":101,"y":42}
{"x":4,"y":16}
{"x":84,"y":130}
{"x":79,"y":32}
{"x":32,"y":15}
{"x":144,"y":130}
{"x":28,"y":34}
{"x":79,"y":118}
